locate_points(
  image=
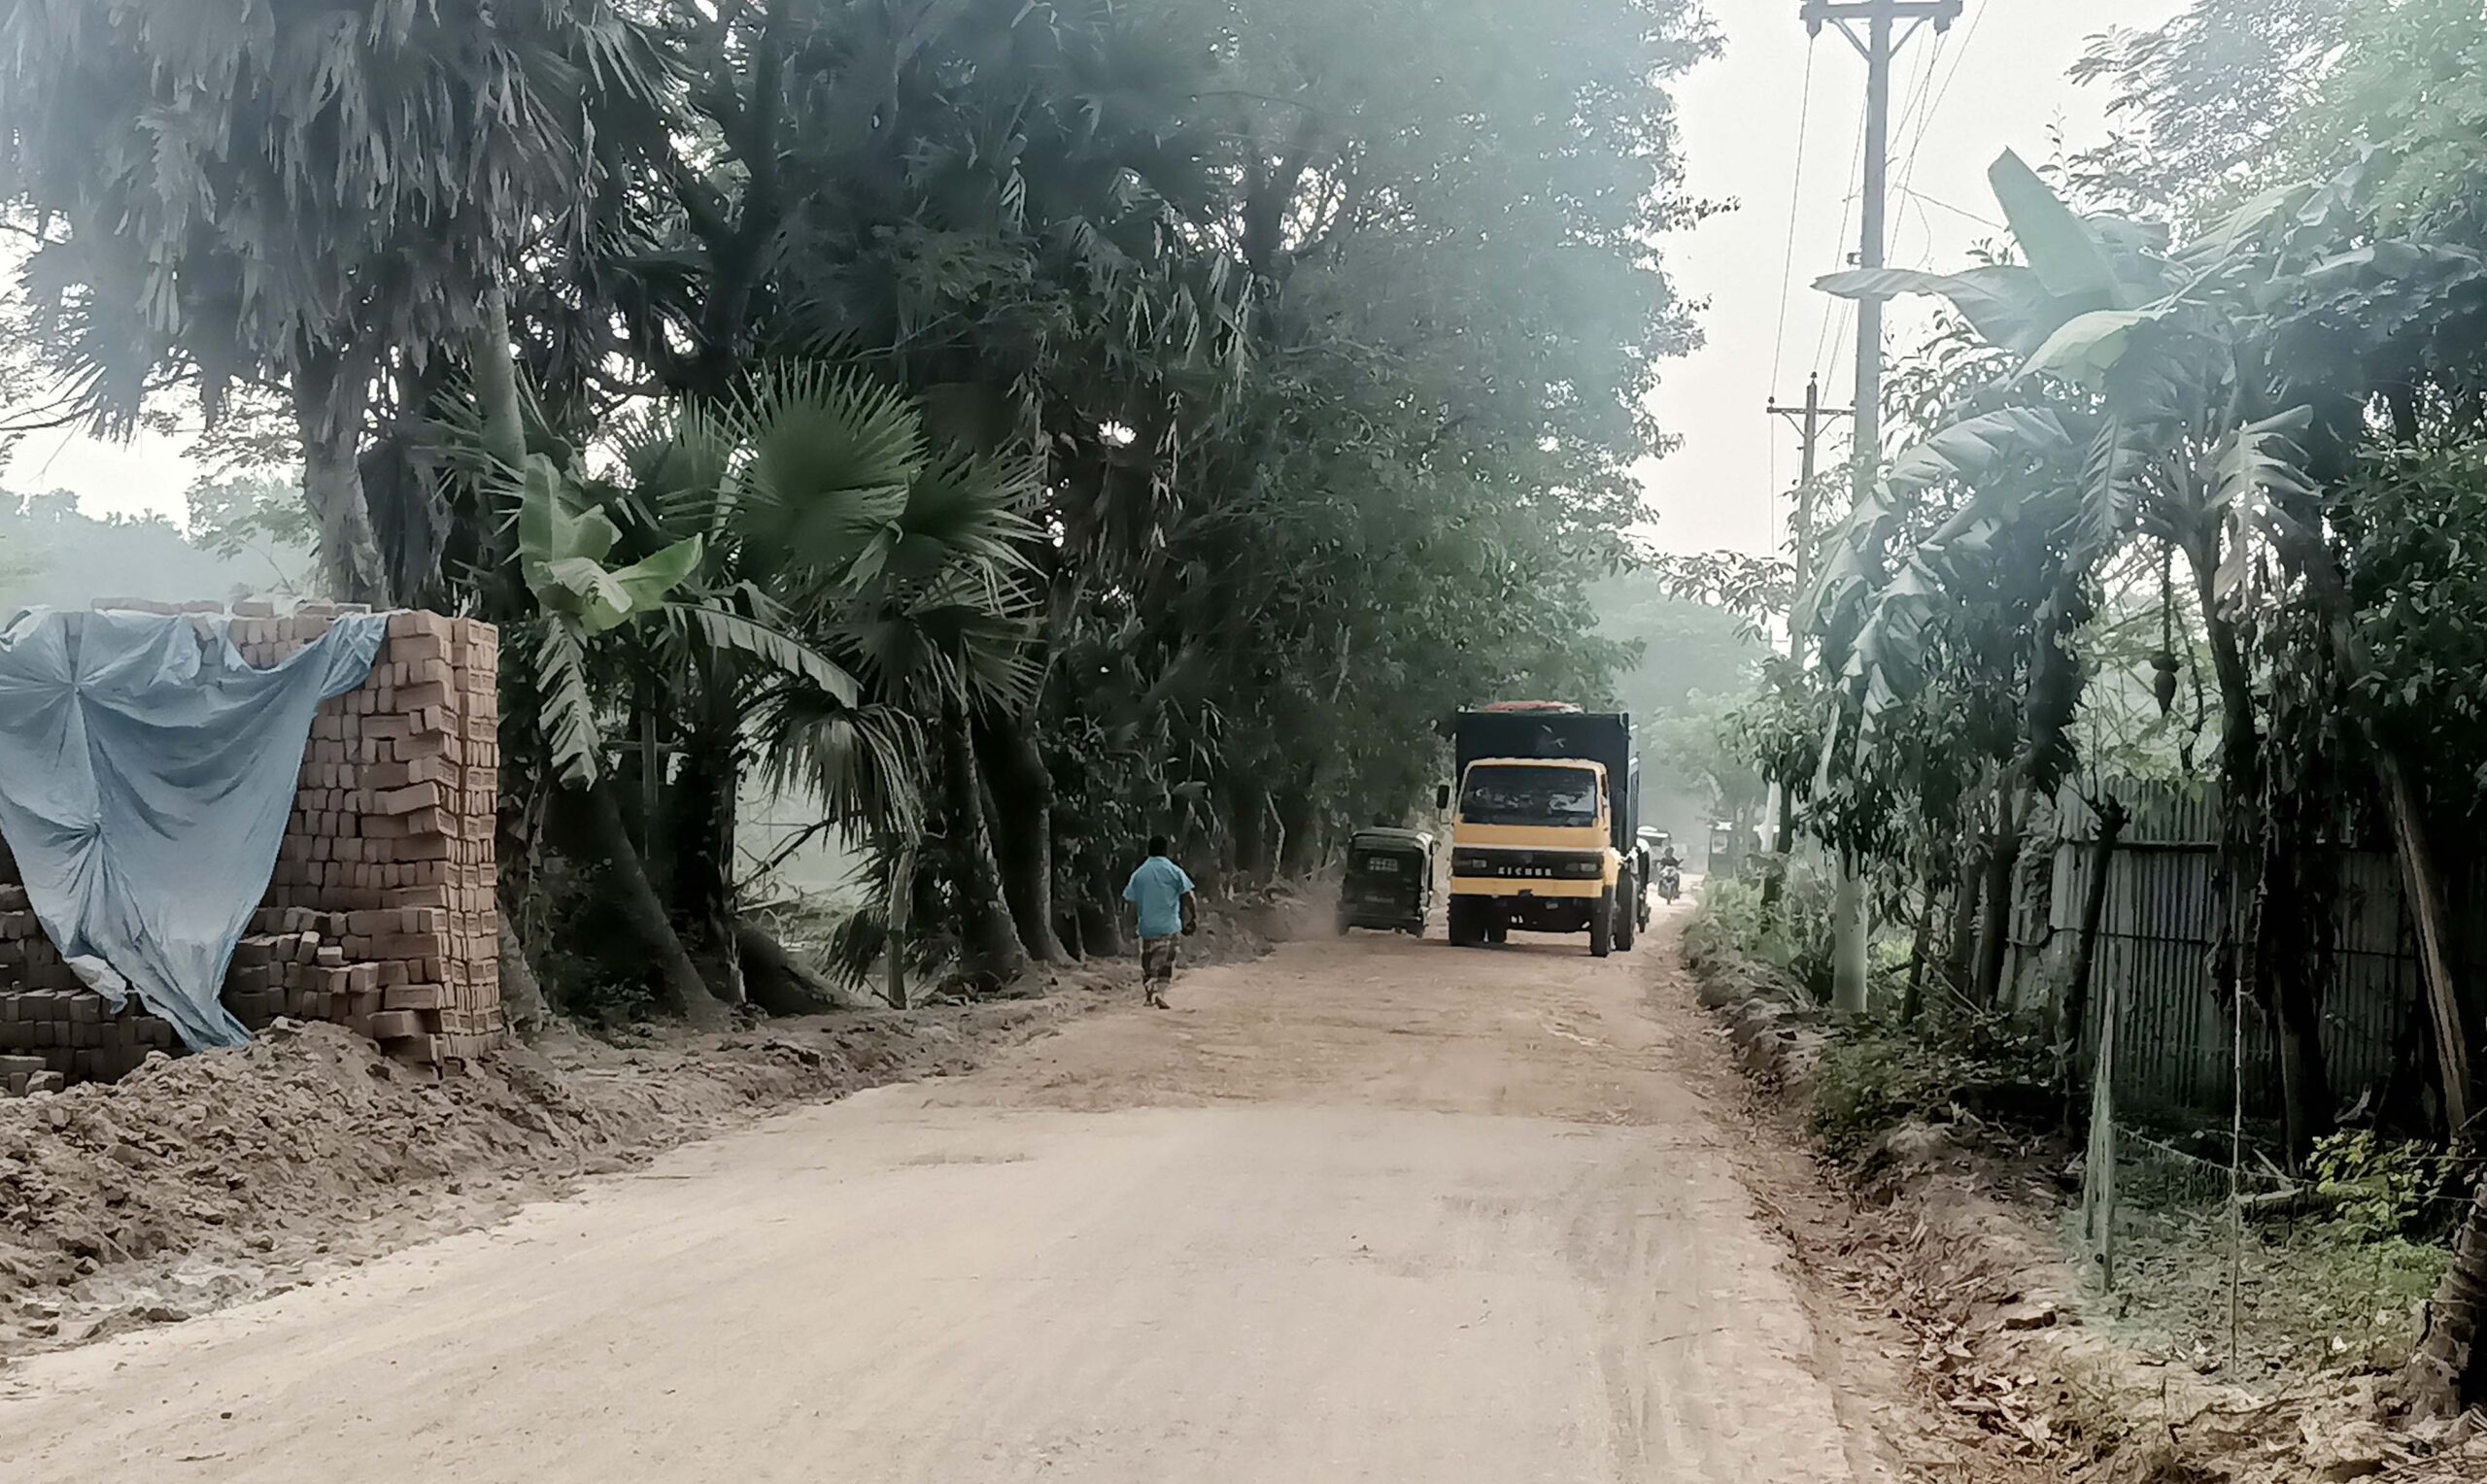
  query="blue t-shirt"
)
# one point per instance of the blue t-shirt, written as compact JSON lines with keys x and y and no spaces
{"x":1157,"y":888}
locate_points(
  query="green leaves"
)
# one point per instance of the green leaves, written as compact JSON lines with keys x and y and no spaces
{"x":2008,"y":306}
{"x":725,"y":630}
{"x":2087,"y":347}
{"x":562,"y":553}
{"x":2067,"y":258}
{"x":566,"y":716}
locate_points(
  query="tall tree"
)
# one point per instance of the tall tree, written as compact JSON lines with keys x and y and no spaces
{"x":300,"y":196}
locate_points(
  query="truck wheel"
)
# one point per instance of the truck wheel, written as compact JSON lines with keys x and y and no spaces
{"x":1602,"y":927}
{"x":1627,"y":925}
{"x":1464,"y":923}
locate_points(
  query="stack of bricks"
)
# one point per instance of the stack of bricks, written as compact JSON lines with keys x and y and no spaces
{"x":53,"y":1029}
{"x":381,"y":915}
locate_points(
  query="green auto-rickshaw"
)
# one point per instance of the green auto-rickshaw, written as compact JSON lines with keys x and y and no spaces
{"x":1389,"y":881}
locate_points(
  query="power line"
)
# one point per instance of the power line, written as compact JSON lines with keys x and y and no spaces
{"x":1788,"y":271}
{"x":1847,"y":204}
{"x":1796,"y":199}
{"x":1926,"y":123}
{"x":1957,"y":211}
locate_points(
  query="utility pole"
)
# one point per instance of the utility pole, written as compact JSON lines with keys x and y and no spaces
{"x":1871,"y":27}
{"x":1809,"y":419}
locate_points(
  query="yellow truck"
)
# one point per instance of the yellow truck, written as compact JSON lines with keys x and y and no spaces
{"x":1543,"y":815}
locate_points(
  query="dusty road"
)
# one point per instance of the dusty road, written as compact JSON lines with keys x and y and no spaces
{"x":1372,"y":1210}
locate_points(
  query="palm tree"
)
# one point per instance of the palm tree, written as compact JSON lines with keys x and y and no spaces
{"x":300,"y":196}
{"x":789,"y":578}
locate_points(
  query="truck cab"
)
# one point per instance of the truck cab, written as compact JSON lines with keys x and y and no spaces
{"x":1540,"y":827}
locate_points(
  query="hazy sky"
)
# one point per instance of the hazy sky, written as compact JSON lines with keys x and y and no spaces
{"x":1996,"y":80}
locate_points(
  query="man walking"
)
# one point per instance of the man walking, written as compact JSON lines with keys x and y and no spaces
{"x":1162,"y":896}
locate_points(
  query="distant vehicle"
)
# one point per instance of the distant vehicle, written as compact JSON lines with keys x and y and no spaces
{"x":1542,"y":831}
{"x":1650,"y":843}
{"x":1670,"y":879}
{"x":1723,"y":850}
{"x":1388,"y":881}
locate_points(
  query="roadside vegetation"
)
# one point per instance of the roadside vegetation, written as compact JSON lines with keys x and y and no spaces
{"x":1014,"y":428}
{"x":2179,"y":513}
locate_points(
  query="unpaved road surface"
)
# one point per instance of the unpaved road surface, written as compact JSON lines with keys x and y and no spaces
{"x":1367,"y":1210}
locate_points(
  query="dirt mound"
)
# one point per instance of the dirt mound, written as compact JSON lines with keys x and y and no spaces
{"x":1958,"y":1243}
{"x":205,"y":1180}
{"x":201,"y":1181}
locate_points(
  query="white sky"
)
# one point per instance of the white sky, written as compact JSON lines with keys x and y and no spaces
{"x":1996,"y":80}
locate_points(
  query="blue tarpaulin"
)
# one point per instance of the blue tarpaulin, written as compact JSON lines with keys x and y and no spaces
{"x":146,"y":773}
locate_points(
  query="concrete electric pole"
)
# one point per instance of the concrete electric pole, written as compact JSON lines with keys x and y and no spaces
{"x":1809,"y":419}
{"x":1872,"y":27}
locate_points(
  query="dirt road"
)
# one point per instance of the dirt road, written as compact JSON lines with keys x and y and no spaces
{"x":1370,"y":1210}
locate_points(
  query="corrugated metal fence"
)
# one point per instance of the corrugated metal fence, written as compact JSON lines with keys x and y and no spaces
{"x":2156,"y":940}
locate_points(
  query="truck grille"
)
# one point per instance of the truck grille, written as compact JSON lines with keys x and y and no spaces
{"x":1528,"y":864}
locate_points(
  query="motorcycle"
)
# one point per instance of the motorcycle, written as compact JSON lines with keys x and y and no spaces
{"x":1670,"y":880}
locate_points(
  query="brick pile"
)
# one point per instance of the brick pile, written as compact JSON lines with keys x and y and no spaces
{"x":53,"y":1029}
{"x":381,"y":915}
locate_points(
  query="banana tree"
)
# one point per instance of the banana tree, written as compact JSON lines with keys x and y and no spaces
{"x":2190,"y":383}
{"x":2140,"y":397}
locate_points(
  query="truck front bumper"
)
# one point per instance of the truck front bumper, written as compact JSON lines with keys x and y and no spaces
{"x":1559,"y":890}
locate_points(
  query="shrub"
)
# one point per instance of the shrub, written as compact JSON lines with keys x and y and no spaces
{"x":1794,"y":937}
{"x":2389,"y":1189}
{"x":1876,"y":1076}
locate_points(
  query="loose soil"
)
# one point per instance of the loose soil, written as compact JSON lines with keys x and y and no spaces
{"x":1952,"y":1232}
{"x":1367,"y":1210}
{"x":204,"y":1181}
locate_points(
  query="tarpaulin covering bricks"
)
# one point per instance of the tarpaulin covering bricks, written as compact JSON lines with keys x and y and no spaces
{"x":147,"y":772}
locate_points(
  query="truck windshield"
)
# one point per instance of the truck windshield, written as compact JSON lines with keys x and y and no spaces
{"x":1553,"y":796}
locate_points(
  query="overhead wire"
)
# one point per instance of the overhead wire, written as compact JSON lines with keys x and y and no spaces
{"x":1848,"y":204}
{"x":1918,"y":109}
{"x":1788,"y":277}
{"x":1925,"y":122}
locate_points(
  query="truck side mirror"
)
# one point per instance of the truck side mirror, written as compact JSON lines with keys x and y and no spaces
{"x":1442,"y":796}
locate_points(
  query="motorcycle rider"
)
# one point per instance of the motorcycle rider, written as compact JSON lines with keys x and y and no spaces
{"x":1670,"y":871}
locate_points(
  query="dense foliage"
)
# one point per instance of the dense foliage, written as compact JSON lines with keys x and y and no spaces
{"x":2189,"y":489}
{"x":1016,"y":428}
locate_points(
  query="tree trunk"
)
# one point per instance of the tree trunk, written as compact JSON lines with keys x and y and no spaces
{"x":990,"y":954}
{"x":779,"y":983}
{"x":1299,"y":852}
{"x":1783,"y":844}
{"x":2305,"y":1078}
{"x":2073,"y":1066}
{"x":2447,"y":1371}
{"x":522,"y":993}
{"x":701,"y":830}
{"x":1913,"y":1000}
{"x":680,"y":991}
{"x":1022,"y":819}
{"x":1248,"y":826}
{"x":1848,"y":931}
{"x":1960,"y":953}
{"x":1994,"y":925}
{"x":330,"y":397}
{"x":2421,"y":885}
{"x":1100,"y":925}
